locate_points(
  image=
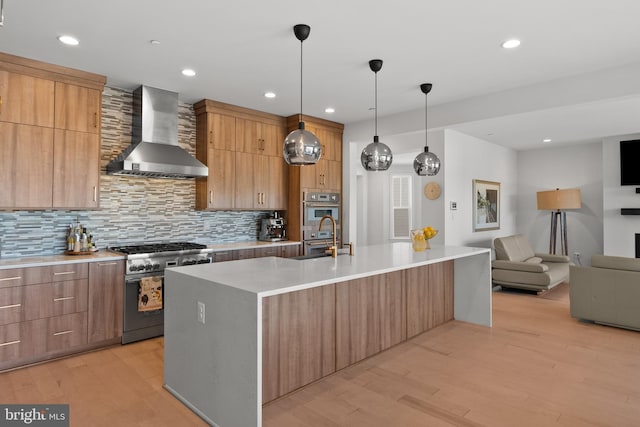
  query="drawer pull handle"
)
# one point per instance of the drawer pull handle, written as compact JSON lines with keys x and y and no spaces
{"x":61,"y":273}
{"x":11,"y":278}
{"x":10,"y":343}
{"x":63,"y":299}
{"x":106,"y":264}
{"x":11,"y":306}
{"x":63,"y":333}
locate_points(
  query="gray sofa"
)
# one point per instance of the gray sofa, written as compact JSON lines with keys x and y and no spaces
{"x":517,"y":266}
{"x":608,"y":292}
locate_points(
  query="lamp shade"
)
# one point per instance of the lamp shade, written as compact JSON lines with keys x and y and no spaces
{"x":559,"y":199}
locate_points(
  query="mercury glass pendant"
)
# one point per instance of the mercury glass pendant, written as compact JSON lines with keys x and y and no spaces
{"x":426,"y":163}
{"x":301,"y":147}
{"x":376,"y":156}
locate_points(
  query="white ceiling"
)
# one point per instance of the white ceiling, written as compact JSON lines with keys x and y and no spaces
{"x":243,"y":48}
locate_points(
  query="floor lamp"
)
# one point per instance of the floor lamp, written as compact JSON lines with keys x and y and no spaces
{"x":557,"y":201}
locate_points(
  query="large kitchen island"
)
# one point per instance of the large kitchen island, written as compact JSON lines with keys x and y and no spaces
{"x":239,"y":334}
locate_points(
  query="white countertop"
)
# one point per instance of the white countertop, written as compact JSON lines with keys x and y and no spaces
{"x":39,"y":261}
{"x":272,"y":276}
{"x":107,"y":255}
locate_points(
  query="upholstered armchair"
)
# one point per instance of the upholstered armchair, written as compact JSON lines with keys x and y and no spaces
{"x":517,"y":266}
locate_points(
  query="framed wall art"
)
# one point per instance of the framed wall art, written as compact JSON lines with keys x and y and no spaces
{"x":486,"y":205}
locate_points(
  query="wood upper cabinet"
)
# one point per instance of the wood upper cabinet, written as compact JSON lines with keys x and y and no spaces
{"x":326,"y":175}
{"x":26,"y":166}
{"x":106,"y":290}
{"x":215,"y":147}
{"x":26,"y":99}
{"x":77,"y":108}
{"x":76,"y":169}
{"x":40,"y":168}
{"x":243,"y":150}
{"x":260,"y":182}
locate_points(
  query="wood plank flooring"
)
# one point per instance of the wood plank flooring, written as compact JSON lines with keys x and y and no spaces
{"x":536,"y":367}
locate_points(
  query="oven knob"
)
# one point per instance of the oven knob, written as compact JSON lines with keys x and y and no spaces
{"x":156,"y":266}
{"x":148,"y":267}
{"x":140,"y":267}
{"x":189,"y":262}
{"x":203,"y":261}
{"x":133,"y":268}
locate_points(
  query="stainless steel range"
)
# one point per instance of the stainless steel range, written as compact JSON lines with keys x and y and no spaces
{"x":144,"y":283}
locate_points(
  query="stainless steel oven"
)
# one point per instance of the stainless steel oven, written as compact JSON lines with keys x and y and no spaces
{"x":315,"y":206}
{"x":144,"y":283}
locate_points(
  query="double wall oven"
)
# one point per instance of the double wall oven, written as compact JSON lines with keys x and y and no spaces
{"x":144,"y":283}
{"x":315,"y":206}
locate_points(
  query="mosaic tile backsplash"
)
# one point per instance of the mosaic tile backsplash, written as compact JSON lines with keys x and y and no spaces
{"x":132,"y":209}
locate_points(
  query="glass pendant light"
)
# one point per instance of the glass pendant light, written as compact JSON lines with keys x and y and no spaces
{"x":301,"y":147}
{"x":376,"y":156}
{"x":426,"y":163}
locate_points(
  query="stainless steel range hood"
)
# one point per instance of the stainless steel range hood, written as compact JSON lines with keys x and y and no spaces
{"x":154,"y":151}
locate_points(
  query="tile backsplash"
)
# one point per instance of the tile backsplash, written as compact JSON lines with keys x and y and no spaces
{"x":132,"y":209}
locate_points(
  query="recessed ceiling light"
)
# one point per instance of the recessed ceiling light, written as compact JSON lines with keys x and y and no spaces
{"x":510,"y":44}
{"x":269,"y":95}
{"x":154,"y":41}
{"x":71,"y":41}
{"x":188,"y":72}
{"x":546,"y":140}
{"x":329,"y":110}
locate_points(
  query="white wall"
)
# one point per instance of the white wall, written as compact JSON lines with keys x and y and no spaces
{"x":470,"y":158}
{"x":576,"y":166}
{"x":619,"y":230}
{"x":371,"y":210}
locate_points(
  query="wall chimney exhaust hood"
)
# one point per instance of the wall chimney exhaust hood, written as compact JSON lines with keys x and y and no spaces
{"x":154,"y":151}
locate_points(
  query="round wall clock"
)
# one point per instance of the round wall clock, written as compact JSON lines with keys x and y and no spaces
{"x":432,"y":190}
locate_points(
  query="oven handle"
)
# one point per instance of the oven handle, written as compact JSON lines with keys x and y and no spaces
{"x":319,"y":242}
{"x":321,"y":205}
{"x":136,"y":280}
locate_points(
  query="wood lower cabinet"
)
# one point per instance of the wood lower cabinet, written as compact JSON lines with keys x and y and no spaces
{"x":106,"y":292}
{"x":429,"y":297}
{"x":311,"y":333}
{"x":66,"y":332}
{"x":370,"y":316}
{"x":298,"y":339}
{"x":26,"y":166}
{"x":284,"y":251}
{"x":59,"y":309}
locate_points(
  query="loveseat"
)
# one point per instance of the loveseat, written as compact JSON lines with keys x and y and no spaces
{"x":517,"y":266}
{"x":608,"y":292}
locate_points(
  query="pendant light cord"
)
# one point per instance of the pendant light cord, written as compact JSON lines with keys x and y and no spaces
{"x":426,"y":146}
{"x":376,"y":105}
{"x":300,"y":81}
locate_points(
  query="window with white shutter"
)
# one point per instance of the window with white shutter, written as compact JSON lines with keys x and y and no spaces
{"x":400,"y":206}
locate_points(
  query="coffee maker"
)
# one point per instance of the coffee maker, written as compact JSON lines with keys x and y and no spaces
{"x":273,"y":229}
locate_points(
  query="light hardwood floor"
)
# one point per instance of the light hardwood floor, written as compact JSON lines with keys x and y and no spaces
{"x":536,"y":367}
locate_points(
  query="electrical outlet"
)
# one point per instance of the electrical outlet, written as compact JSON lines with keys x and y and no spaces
{"x":453,"y":206}
{"x":201,"y":312}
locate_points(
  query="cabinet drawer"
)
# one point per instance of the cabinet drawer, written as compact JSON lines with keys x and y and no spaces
{"x":24,"y":276}
{"x":11,"y":305}
{"x":64,"y":332}
{"x":64,"y":272}
{"x":10,"y":342}
{"x":56,"y":299}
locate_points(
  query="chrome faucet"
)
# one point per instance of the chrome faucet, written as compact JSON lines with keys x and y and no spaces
{"x":334,"y":248}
